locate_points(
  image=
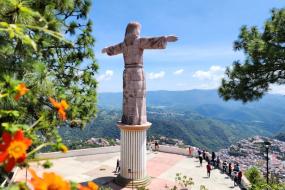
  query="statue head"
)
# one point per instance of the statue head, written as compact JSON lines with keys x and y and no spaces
{"x":133,"y":28}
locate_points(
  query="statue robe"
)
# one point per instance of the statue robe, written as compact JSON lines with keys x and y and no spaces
{"x":134,"y":84}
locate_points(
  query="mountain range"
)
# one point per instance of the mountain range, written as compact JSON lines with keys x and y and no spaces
{"x":268,"y":112}
{"x":199,"y":117}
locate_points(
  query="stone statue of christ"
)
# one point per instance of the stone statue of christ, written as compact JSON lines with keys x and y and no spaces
{"x":134,"y":85}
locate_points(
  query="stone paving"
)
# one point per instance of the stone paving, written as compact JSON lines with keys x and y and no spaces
{"x":162,"y":167}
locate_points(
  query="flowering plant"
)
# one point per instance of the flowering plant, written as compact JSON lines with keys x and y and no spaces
{"x":40,"y":75}
{"x":17,"y":145}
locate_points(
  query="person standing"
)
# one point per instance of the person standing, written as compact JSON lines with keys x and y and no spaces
{"x":200,"y":160}
{"x":235,"y":178}
{"x":213,"y":157}
{"x":117,"y":166}
{"x":209,"y":169}
{"x":239,"y":177}
{"x":236,"y":168}
{"x":204,"y":154}
{"x":156,"y":146}
{"x":207,"y":158}
{"x":230,"y":169}
{"x":218,"y":162}
{"x":199,"y":152}
{"x":225,"y":164}
{"x":190,"y":151}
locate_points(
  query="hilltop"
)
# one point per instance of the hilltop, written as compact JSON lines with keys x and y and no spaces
{"x":251,"y":152}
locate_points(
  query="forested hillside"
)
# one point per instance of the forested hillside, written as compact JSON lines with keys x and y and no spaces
{"x":199,"y":117}
{"x":192,"y":128}
{"x":268,"y":113}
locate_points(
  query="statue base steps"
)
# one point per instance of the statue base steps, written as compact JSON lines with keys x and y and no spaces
{"x":123,"y":182}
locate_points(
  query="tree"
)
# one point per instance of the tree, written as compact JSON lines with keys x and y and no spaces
{"x":264,"y":64}
{"x":46,"y":76}
{"x":48,"y":45}
{"x":258,"y":182}
{"x":254,"y":175}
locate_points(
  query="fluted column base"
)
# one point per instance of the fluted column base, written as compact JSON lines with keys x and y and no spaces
{"x":133,"y":155}
{"x":123,"y":182}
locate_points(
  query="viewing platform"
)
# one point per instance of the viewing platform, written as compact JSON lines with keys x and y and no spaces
{"x":98,"y":165}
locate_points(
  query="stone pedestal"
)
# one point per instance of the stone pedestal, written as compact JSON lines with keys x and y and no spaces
{"x":133,"y":156}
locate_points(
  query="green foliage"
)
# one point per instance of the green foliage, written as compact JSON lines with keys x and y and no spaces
{"x":47,"y":164}
{"x":203,"y":187}
{"x":183,"y":181}
{"x":264,"y":186}
{"x":33,"y":50}
{"x":193,"y":129}
{"x":37,"y":63}
{"x":254,"y":175}
{"x":264,"y":64}
{"x":11,"y":121}
{"x":258,"y":182}
{"x":19,"y":186}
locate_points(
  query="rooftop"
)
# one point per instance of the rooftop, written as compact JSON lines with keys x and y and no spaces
{"x":161,"y":166}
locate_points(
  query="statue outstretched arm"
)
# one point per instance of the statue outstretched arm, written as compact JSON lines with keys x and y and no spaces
{"x":113,"y":50}
{"x":156,"y":42}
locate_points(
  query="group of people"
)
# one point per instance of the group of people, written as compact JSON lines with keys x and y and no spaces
{"x":156,"y":146}
{"x":232,"y":170}
{"x":202,"y":155}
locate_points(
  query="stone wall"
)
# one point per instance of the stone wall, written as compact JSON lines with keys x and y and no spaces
{"x":172,"y":149}
{"x":80,"y":152}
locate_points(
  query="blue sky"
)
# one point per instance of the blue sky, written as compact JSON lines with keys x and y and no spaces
{"x":206,"y":31}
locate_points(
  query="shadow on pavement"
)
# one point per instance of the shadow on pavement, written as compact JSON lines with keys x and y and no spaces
{"x":101,"y":180}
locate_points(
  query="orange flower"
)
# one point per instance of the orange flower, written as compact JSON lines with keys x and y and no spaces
{"x":13,"y":149}
{"x":61,"y":107}
{"x":90,"y":186}
{"x":63,"y":148}
{"x":21,"y":90}
{"x":49,"y":181}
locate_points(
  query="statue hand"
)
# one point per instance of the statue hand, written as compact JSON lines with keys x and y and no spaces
{"x":104,"y":50}
{"x":171,"y":38}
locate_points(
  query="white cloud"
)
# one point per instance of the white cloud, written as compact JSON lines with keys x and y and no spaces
{"x":210,"y":78}
{"x":158,"y":75}
{"x":214,"y":73}
{"x":277,"y":89}
{"x":178,"y":72}
{"x":106,"y":76}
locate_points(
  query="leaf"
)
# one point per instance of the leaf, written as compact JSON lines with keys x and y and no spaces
{"x":14,"y":127}
{"x":47,"y":164}
{"x":4,"y":113}
{"x":28,"y":41}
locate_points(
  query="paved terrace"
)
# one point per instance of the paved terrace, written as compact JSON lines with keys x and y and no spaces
{"x":99,"y":166}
